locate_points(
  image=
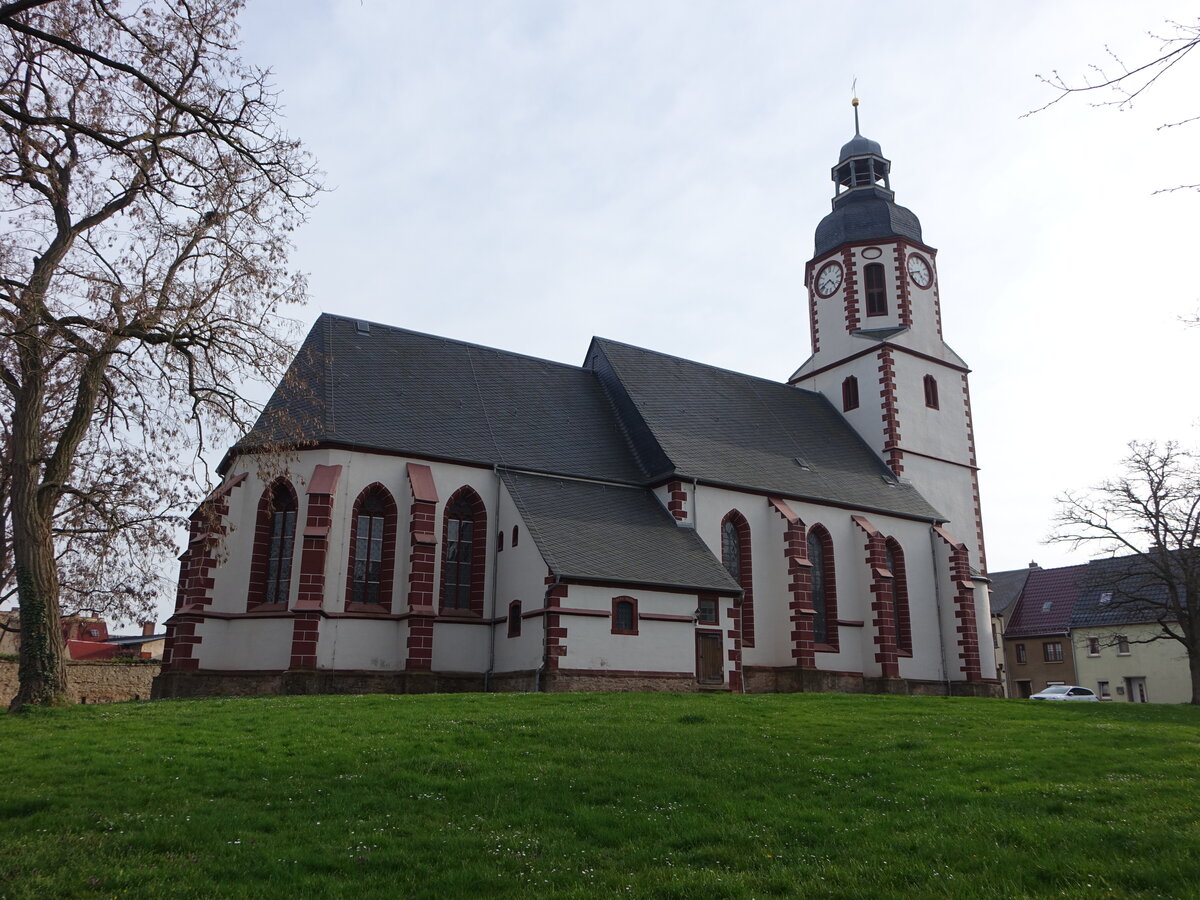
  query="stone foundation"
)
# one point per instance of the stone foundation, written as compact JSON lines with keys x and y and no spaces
{"x":793,"y":680}
{"x":103,"y":681}
{"x":759,"y":680}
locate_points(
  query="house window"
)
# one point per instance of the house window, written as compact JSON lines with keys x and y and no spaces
{"x":1122,"y":645}
{"x":706,"y":612}
{"x":850,"y":394}
{"x":1093,"y":645}
{"x":876,"y":290}
{"x":931,"y":392}
{"x":824,"y":591}
{"x":1103,"y":690}
{"x":1021,"y":654}
{"x":514,"y":618}
{"x":624,"y":616}
{"x":735,"y":555}
{"x":274,"y":542}
{"x":462,"y":553}
{"x":371,"y":547}
{"x":895,"y":563}
{"x":1052,"y":651}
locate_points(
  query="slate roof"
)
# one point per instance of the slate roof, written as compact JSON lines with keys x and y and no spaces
{"x":415,"y":394}
{"x":1124,"y":579}
{"x":1047,"y":602}
{"x":613,"y":533}
{"x":728,"y":428}
{"x":1006,"y":587}
{"x":631,"y":416}
{"x":863,"y":215}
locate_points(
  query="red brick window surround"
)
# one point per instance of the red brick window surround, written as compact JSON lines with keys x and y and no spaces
{"x":274,"y":546}
{"x":624,"y":615}
{"x":876,"y":288}
{"x":850,"y":394}
{"x":372,"y":557}
{"x":931,"y":392}
{"x":464,"y":553}
{"x":514,"y":619}
{"x":736,"y":557}
{"x":895,"y":562}
{"x":824,"y":588}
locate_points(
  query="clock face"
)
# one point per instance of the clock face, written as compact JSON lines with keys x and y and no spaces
{"x":919,"y":270}
{"x":829,"y":279}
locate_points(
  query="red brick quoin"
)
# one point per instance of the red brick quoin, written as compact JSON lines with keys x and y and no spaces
{"x":677,"y":501}
{"x":206,"y":528}
{"x":964,"y":607}
{"x":556,"y":631}
{"x":422,"y":562}
{"x":795,"y":551}
{"x":884,"y":621}
{"x":313,"y":558}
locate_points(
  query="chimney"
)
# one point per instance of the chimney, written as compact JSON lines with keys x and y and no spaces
{"x":1033,"y":565}
{"x":147,"y":629}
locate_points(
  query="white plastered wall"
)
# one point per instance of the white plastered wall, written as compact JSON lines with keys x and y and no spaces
{"x":1162,"y":663}
{"x":521,"y":575}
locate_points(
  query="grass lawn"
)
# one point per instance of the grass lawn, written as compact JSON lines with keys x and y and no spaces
{"x":584,"y":795}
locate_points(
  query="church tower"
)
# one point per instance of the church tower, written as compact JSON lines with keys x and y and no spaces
{"x":878,"y":353}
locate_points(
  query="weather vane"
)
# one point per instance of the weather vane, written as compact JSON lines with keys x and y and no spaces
{"x":854,"y":102}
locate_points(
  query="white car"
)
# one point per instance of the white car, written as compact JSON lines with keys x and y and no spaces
{"x":1065,"y":692}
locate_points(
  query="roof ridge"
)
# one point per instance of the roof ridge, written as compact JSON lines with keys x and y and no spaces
{"x":704,"y":365}
{"x":470,"y":345}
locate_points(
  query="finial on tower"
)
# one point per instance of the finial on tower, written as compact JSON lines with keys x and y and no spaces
{"x":854,"y":103}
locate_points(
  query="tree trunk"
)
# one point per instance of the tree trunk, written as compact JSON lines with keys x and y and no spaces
{"x":42,"y":670}
{"x":1194,"y":665}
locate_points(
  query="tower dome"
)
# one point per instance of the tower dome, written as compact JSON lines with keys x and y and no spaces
{"x":863,"y":204}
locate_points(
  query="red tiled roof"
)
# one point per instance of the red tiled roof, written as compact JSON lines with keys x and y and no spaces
{"x":1046,"y":603}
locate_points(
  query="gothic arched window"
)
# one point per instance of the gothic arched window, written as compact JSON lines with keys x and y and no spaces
{"x":274,"y":543}
{"x":824,"y":587}
{"x":735,"y":555}
{"x":463,"y":567}
{"x":372,"y":548}
{"x":895,"y":563}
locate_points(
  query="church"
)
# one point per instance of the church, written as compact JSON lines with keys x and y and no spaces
{"x":414,"y":513}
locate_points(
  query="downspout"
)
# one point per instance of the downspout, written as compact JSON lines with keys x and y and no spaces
{"x":937,"y":598}
{"x":487,"y":676}
{"x":537,"y":678}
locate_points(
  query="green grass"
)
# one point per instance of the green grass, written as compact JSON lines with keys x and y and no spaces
{"x":584,"y":795}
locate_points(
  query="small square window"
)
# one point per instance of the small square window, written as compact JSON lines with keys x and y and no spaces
{"x":1052,"y":651}
{"x":1122,"y":645}
{"x":1103,"y":691}
{"x":1093,"y":645}
{"x":706,"y":613}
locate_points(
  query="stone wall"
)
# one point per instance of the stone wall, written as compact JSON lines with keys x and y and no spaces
{"x":92,"y":682}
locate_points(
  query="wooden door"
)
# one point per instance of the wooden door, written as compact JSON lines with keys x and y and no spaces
{"x":709,"y":667}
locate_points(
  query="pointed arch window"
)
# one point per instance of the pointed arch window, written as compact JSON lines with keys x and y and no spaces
{"x":274,"y":545}
{"x":850,"y":394}
{"x":464,"y":530}
{"x":876,"y":287}
{"x":514,"y":619}
{"x":895,"y":563}
{"x":931,"y":392}
{"x":737,"y":559}
{"x":824,"y":588}
{"x":372,"y":549}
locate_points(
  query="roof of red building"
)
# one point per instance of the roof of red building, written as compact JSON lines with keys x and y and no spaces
{"x":1047,"y":602}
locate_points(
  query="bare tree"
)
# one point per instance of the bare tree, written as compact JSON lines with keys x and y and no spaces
{"x":1122,"y":85}
{"x":146,"y":198}
{"x":1151,"y":516}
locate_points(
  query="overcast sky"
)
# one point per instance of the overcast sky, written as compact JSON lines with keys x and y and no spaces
{"x":528,"y":174}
